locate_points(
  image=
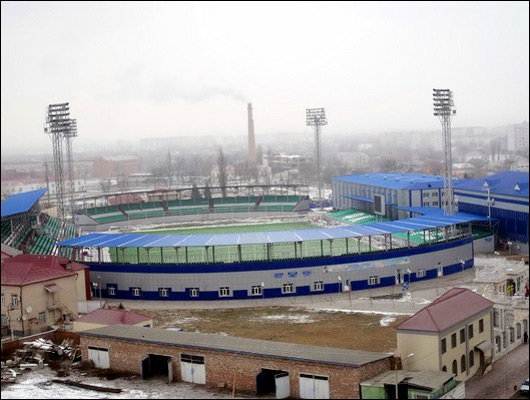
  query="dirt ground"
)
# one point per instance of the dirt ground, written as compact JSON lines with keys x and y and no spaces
{"x":357,"y":331}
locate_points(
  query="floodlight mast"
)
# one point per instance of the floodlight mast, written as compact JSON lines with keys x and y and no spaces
{"x":69,"y":136}
{"x":57,"y":122}
{"x":316,"y":117}
{"x":444,"y":109}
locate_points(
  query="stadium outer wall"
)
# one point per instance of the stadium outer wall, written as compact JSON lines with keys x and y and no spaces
{"x":310,"y":276}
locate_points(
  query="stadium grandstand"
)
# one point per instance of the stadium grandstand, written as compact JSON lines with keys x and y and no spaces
{"x":178,"y":205}
{"x":26,"y":228}
{"x":252,"y":265}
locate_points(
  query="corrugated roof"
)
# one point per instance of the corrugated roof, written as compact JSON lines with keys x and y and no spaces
{"x":20,"y":203}
{"x":113,"y":317}
{"x":450,"y":309}
{"x":264,"y":348}
{"x":440,"y":212}
{"x":432,"y":380}
{"x":231,"y":239}
{"x":508,"y":183}
{"x":26,"y":269}
{"x":395,"y":180}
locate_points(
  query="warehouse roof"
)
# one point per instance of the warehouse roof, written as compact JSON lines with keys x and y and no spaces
{"x":450,"y":309}
{"x":395,"y":180}
{"x":508,"y":183}
{"x":22,"y":202}
{"x":264,"y":348}
{"x":231,"y":239}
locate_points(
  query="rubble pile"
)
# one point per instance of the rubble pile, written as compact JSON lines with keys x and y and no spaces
{"x":35,"y":354}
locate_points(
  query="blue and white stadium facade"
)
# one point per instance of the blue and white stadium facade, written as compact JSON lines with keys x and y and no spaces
{"x":327,"y":260}
{"x":399,"y":190}
{"x":503,"y":197}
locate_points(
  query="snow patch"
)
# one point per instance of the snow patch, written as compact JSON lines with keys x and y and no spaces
{"x":385,"y":321}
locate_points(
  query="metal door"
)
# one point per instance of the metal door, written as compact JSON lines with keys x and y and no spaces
{"x":283,"y":385}
{"x":321,"y":385}
{"x":99,"y":356}
{"x":145,"y":368}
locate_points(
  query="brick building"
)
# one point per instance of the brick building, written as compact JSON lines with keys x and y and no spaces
{"x":253,"y":366}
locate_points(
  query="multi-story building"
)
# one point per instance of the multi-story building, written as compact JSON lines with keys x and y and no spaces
{"x":399,"y":190}
{"x":517,"y":137}
{"x":39,"y":291}
{"x":505,"y":283}
{"x":452,"y":334}
{"x":502,"y":196}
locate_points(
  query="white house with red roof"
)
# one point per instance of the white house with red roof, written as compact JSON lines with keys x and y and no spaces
{"x":39,"y":291}
{"x":452,"y":334}
{"x":103,"y":317}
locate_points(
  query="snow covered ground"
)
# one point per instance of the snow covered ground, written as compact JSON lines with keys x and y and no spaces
{"x":37,"y":385}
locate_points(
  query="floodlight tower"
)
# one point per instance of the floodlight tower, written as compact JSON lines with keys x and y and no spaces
{"x":316,"y":117}
{"x":444,"y":109}
{"x":57,"y":123}
{"x":69,"y":137}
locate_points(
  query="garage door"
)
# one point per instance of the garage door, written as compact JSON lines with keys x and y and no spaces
{"x":314,"y":386}
{"x":100,"y":356}
{"x":192,"y":369}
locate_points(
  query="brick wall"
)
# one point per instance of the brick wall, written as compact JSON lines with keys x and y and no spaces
{"x":221,"y":367}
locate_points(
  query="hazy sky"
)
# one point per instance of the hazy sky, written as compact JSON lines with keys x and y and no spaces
{"x":134,"y":70}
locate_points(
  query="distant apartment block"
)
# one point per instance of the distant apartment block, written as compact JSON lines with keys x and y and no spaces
{"x":113,"y":166}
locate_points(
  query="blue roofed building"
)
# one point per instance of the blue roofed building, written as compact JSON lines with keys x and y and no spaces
{"x":502,"y":196}
{"x":399,"y":190}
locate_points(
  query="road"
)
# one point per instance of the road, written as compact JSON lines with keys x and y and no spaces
{"x":493,"y":386}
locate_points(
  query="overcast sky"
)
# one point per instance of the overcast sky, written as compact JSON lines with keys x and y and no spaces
{"x":135,"y":70}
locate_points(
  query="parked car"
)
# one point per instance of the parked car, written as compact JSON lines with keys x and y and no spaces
{"x":524,"y":388}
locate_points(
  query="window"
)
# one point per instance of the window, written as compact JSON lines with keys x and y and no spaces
{"x":444,"y":346}
{"x":444,"y":368}
{"x":463,"y":364}
{"x":256,"y":290}
{"x":420,"y":273}
{"x":3,"y":300}
{"x":14,"y":300}
{"x":512,"y":335}
{"x":42,"y":317}
{"x":373,"y":280}
{"x":194,"y":292}
{"x":481,"y":326}
{"x":470,"y":331}
{"x":471,"y":359}
{"x":136,"y":291}
{"x":453,"y":340}
{"x":318,"y":286}
{"x":496,"y":319}
{"x":426,"y":194}
{"x":163,"y":292}
{"x":462,"y":335}
{"x":224,"y":291}
{"x":435,"y":203}
{"x":519,"y":331}
{"x":455,"y":368}
{"x":111,"y":290}
{"x":4,"y":320}
{"x":287,"y":288}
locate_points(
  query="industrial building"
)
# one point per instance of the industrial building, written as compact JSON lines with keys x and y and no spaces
{"x":503,"y":197}
{"x":245,"y":365}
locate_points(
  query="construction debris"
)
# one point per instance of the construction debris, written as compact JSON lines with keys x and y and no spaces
{"x":34,"y":354}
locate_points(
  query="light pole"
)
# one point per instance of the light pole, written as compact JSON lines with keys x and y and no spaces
{"x":510,"y":247}
{"x":263,"y":290}
{"x":316,"y":117}
{"x":463,"y":263}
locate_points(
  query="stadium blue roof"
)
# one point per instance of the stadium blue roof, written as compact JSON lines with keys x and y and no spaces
{"x":349,"y":196}
{"x":508,"y":183}
{"x":440,"y":212}
{"x":395,"y":180}
{"x":20,"y":203}
{"x":302,"y":235}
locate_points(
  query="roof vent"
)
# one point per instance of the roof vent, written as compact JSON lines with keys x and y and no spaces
{"x":516,"y":187}
{"x":485,"y":184}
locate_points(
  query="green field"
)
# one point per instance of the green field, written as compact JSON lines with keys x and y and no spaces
{"x":229,"y":254}
{"x":281,"y":226}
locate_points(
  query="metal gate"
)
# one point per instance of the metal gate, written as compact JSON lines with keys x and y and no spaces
{"x":100,"y":356}
{"x":192,"y":369}
{"x":283,"y":385}
{"x":314,"y":386}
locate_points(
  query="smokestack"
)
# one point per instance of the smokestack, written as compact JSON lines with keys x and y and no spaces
{"x":251,"y":157}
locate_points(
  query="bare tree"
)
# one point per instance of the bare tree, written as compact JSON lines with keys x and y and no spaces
{"x":105,"y":185}
{"x":221,"y":165}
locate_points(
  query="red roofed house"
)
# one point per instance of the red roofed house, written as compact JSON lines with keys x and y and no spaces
{"x":39,"y":291}
{"x":102,"y":317}
{"x":453,"y":334}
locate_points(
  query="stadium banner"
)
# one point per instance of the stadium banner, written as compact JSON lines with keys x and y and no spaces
{"x":391,"y":262}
